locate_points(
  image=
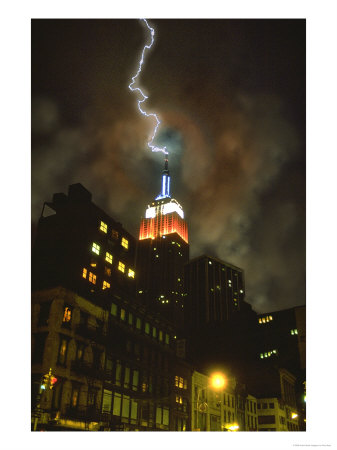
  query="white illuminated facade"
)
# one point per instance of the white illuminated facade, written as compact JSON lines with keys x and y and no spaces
{"x":163,"y":207}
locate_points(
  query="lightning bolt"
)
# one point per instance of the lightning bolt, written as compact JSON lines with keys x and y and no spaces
{"x":143,"y":96}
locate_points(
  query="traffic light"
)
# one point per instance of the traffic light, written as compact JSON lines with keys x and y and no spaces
{"x":53,"y":381}
{"x":45,"y":381}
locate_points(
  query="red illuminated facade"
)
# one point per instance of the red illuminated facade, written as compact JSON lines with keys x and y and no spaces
{"x":162,"y":225}
{"x":162,"y":253}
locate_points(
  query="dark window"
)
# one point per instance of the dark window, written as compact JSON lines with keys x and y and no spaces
{"x":44,"y":314}
{"x":266,"y":419}
{"x":84,"y":318}
{"x":80,"y":351}
{"x":108,"y":367}
{"x":264,"y":405}
{"x":271,"y":405}
{"x":127,"y":377}
{"x":75,"y":395}
{"x":92,"y":397}
{"x":135,"y":379}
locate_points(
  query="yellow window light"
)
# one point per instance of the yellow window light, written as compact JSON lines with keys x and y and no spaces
{"x":92,"y":278}
{"x":106,"y":285}
{"x":67,"y":314}
{"x":84,"y":273}
{"x":121,"y":266}
{"x":103,"y":227}
{"x":108,"y":257}
{"x":125,"y":243}
{"x":131,"y":273}
{"x":95,"y":248}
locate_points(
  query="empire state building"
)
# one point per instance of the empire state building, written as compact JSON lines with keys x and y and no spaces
{"x":163,"y":251}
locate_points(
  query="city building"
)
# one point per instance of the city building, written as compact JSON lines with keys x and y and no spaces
{"x":162,"y":252}
{"x":274,"y":415}
{"x":79,"y":246}
{"x":282,"y":336}
{"x":281,"y":341}
{"x":225,"y":408}
{"x":113,"y":360}
{"x":275,"y":390}
{"x":221,"y":325}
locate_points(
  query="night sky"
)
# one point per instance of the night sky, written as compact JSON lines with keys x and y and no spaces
{"x":231,"y":98}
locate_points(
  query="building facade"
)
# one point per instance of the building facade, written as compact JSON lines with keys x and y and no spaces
{"x":162,"y":252}
{"x":229,"y":408}
{"x":275,"y":415}
{"x":114,"y":359}
{"x":220,"y":324}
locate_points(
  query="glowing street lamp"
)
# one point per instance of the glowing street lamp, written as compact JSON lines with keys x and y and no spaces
{"x":218,"y":381}
{"x":233,"y":427}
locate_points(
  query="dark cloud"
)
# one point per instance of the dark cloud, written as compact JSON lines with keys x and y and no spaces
{"x":231,"y":97}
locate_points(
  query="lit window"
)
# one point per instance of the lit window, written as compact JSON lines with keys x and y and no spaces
{"x":95,"y":248}
{"x":106,"y":285}
{"x":167,"y":339}
{"x":121,"y":266}
{"x":179,"y":399}
{"x":113,"y":309}
{"x":84,"y":273}
{"x":103,"y":227}
{"x":125,"y":243}
{"x":138,"y":323}
{"x":67,"y":314}
{"x":63,"y":351}
{"x":131,"y":273}
{"x":108,"y":257}
{"x":147,"y":328}
{"x":270,"y":317}
{"x":92,"y":278}
{"x":107,"y":271}
{"x":160,"y":335}
{"x":122,"y":314}
{"x":260,"y":320}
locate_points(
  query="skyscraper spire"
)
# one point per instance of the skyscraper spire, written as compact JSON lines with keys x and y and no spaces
{"x":165,"y":183}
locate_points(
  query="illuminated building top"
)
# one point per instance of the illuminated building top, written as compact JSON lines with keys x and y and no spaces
{"x":164,"y":215}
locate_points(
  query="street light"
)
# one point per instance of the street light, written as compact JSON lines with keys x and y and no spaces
{"x":218,"y":381}
{"x":233,"y":427}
